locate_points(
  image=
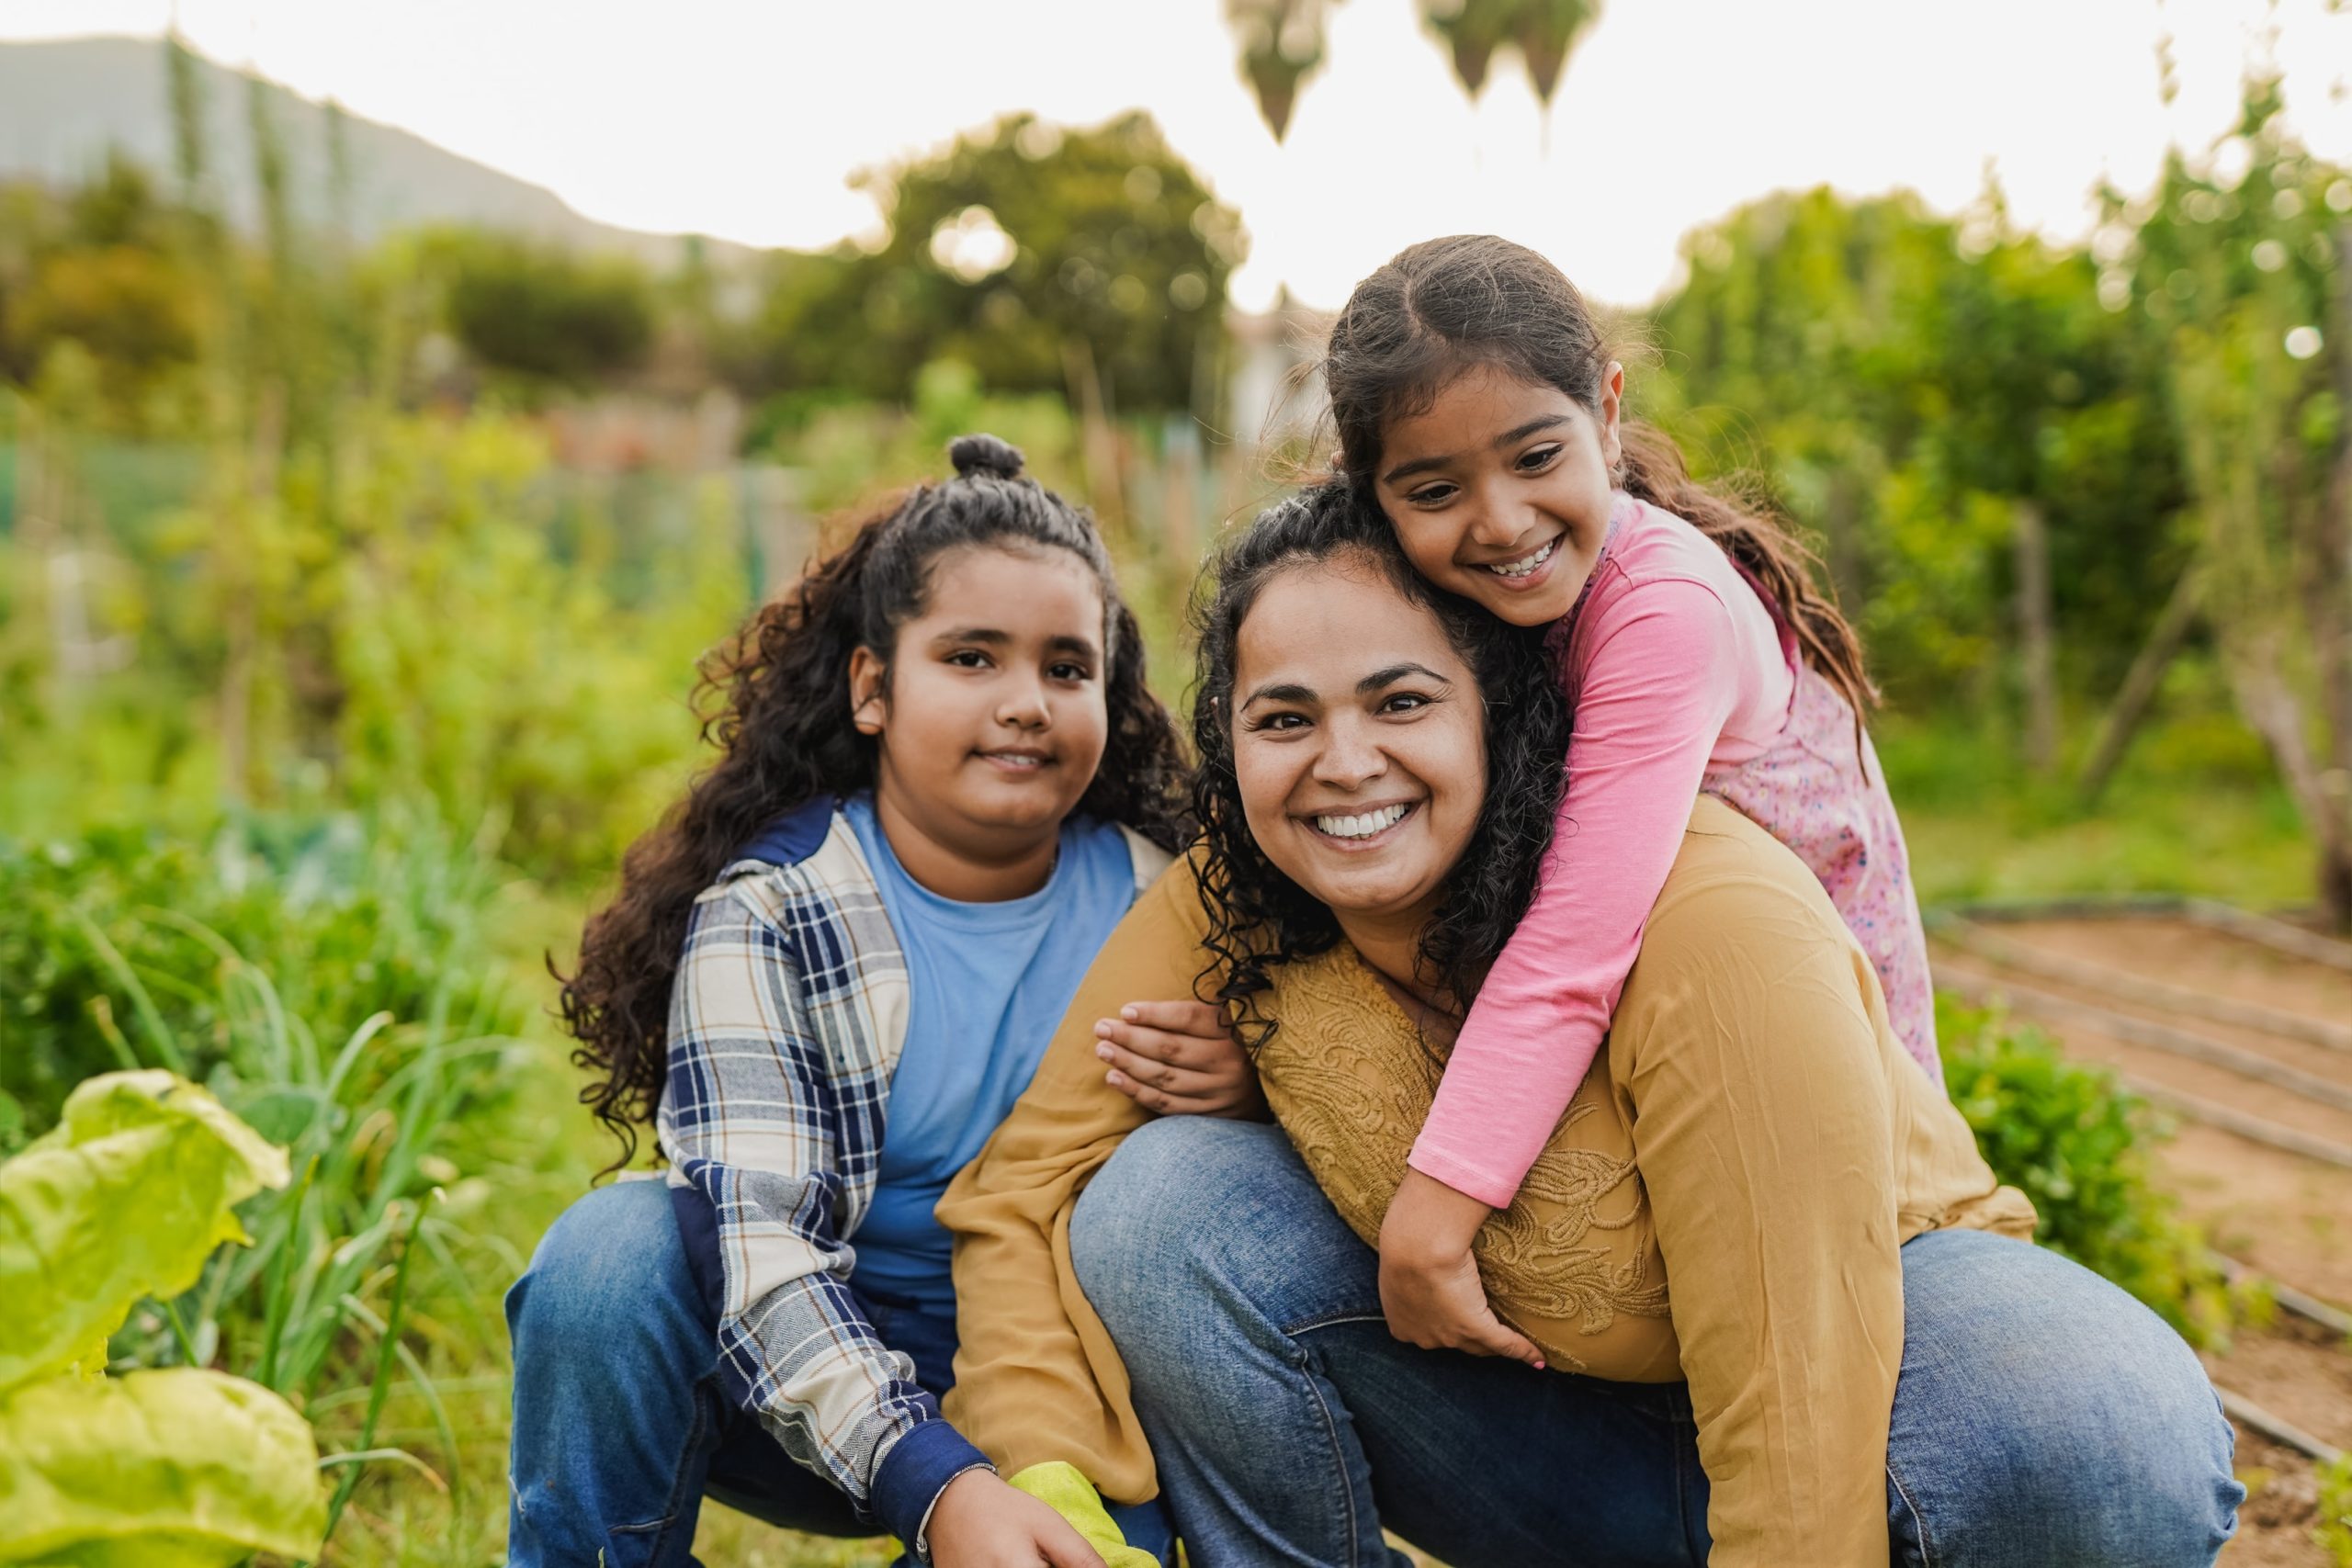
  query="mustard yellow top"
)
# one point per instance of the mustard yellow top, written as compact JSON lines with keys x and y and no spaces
{"x":1723,"y":1202}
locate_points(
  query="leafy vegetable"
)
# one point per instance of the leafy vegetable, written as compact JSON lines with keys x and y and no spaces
{"x":171,"y":1468}
{"x":125,"y":1198}
{"x":182,"y":1468}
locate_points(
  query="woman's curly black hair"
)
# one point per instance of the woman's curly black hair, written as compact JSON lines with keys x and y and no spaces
{"x":776,"y":702}
{"x":1257,"y":917}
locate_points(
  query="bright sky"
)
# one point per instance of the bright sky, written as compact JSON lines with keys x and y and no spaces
{"x":743,"y":119}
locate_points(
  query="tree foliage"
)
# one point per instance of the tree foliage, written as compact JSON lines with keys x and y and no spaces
{"x":539,"y":311}
{"x":1904,"y":380}
{"x":1040,"y":256}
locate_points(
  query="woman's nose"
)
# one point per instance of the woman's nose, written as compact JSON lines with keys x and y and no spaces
{"x":1350,"y":757}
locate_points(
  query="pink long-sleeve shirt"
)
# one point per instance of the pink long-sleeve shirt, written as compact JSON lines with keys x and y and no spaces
{"x":1684,"y":679}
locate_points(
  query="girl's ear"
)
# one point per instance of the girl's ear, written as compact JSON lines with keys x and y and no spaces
{"x":1612,"y":397}
{"x":869,"y":687}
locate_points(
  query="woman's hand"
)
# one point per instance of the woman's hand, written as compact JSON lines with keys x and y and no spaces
{"x":980,"y":1522}
{"x":1430,"y":1286}
{"x":1179,"y":1059}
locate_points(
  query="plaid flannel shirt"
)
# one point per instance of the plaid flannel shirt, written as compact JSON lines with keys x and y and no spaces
{"x":786,"y":1019}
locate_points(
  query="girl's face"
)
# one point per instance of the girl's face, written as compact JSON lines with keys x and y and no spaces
{"x":991,"y":718}
{"x":1359,"y":742}
{"x":1499,"y":491}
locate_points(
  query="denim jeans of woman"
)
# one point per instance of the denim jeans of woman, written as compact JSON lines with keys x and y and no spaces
{"x":2043,"y":1418}
{"x":621,"y":1429}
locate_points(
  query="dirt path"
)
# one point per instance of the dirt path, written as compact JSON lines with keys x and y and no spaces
{"x":2285,"y":1214}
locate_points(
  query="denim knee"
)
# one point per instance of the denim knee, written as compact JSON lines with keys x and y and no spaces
{"x":610,"y":1269}
{"x":1199,"y":1226}
{"x":2044,"y":1417}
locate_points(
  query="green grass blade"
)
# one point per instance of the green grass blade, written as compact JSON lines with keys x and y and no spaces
{"x":387,"y":1348}
{"x":151,"y":1023}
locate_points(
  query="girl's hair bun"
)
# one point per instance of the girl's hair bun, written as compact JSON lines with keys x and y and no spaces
{"x":984,"y":454}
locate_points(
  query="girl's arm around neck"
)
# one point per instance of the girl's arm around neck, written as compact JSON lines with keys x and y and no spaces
{"x":1036,"y":1376}
{"x":1661,"y":678}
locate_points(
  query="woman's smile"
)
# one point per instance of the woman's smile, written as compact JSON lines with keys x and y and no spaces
{"x":1356,"y":830}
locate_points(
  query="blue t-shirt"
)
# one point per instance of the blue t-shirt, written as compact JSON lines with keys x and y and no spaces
{"x":988,"y":984}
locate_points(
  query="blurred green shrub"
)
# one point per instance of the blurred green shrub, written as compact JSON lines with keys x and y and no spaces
{"x":2068,"y":1137}
{"x":541,"y":311}
{"x":337,"y":984}
{"x":128,"y":948}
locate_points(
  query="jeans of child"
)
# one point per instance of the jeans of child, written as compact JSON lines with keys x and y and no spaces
{"x":2043,"y":1417}
{"x":620,"y":1428}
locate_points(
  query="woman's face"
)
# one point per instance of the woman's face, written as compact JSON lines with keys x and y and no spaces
{"x":1359,"y":742}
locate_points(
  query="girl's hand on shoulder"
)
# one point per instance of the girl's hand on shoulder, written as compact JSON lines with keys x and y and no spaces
{"x":1429,"y":1289}
{"x":1179,"y":1059}
{"x":981,"y":1522}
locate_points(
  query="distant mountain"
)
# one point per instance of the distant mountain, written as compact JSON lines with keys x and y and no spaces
{"x":63,"y":104}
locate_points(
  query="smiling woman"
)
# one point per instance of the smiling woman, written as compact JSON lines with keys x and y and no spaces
{"x":1823,"y":1338}
{"x":1334,"y":728}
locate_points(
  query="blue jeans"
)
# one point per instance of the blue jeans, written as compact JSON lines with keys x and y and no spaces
{"x":620,"y":1428}
{"x":2043,"y":1416}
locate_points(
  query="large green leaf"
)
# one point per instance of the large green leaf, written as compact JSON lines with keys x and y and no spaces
{"x":124,"y":1197}
{"x":173,"y":1468}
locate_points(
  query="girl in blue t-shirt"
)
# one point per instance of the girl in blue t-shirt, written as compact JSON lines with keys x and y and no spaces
{"x":827,"y":976}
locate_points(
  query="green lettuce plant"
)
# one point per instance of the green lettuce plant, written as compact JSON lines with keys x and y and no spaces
{"x":176,"y":1467}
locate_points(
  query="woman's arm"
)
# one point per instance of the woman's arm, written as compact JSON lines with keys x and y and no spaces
{"x":1757,"y":1059}
{"x":1036,"y":1376}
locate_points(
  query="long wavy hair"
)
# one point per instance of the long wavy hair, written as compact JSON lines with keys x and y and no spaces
{"x":1258,"y":918}
{"x":1446,"y":306}
{"x":775,"y":701}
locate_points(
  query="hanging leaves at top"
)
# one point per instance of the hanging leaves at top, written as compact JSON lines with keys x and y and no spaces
{"x":1282,"y":45}
{"x":1547,"y":32}
{"x":1543,"y":31}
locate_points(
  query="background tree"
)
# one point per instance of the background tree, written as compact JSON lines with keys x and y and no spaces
{"x":2234,"y":263}
{"x":1045,"y":258}
{"x":543,"y":313}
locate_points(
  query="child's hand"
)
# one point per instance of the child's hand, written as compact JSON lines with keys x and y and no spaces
{"x":980,"y":1522}
{"x":1429,"y":1282}
{"x":1179,"y":1059}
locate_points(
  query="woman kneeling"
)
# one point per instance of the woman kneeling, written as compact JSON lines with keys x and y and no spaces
{"x":1788,"y":1315}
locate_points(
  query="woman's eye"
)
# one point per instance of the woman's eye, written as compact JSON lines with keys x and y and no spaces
{"x":1069,"y":672}
{"x":1280,"y":721}
{"x":1403,"y":702}
{"x":1432,"y":495}
{"x":969,"y":659}
{"x":1532,"y":461}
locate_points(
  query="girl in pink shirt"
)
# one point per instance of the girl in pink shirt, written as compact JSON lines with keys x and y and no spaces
{"x":1476,"y":402}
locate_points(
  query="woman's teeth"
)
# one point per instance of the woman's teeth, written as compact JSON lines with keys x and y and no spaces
{"x":1525,"y":564}
{"x":1362,"y":827}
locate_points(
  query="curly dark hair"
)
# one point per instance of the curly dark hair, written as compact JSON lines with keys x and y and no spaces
{"x":1443,"y":306}
{"x":1257,"y":917}
{"x":775,"y":701}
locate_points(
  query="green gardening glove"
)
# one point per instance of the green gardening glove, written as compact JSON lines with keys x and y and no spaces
{"x":1060,"y":1487}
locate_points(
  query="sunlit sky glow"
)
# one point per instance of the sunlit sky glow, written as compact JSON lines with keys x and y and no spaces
{"x":744,"y":121}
